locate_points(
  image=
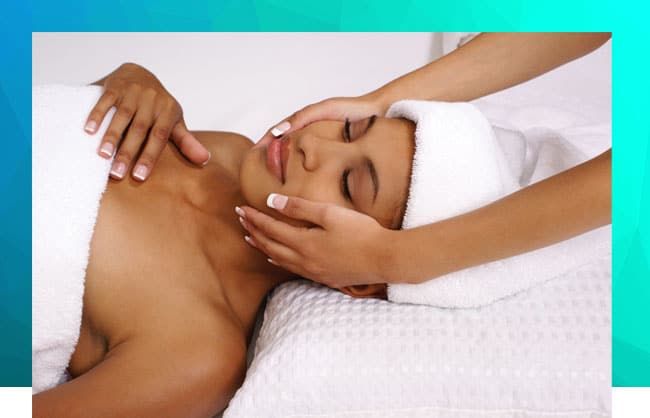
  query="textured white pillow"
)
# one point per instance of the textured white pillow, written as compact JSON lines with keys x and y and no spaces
{"x":542,"y":353}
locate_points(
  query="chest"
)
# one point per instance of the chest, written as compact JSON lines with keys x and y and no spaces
{"x":150,"y":268}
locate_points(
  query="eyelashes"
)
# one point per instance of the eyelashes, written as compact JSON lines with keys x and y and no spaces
{"x":345,"y":189}
{"x":346,"y":130}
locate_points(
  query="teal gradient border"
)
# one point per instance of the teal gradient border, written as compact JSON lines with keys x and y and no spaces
{"x":631,"y":185}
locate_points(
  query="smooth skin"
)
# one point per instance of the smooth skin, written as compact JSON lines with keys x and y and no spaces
{"x":146,"y":117}
{"x":568,"y":204}
{"x":171,"y":289}
{"x":540,"y":211}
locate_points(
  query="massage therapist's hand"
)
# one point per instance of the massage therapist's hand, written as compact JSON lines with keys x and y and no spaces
{"x":335,"y":108}
{"x":146,"y":117}
{"x":343,"y":248}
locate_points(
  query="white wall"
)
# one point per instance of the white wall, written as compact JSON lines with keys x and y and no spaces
{"x":241,"y":82}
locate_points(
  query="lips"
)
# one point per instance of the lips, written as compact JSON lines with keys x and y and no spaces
{"x":277,"y":155}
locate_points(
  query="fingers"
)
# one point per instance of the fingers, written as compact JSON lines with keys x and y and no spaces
{"x":276,"y":230}
{"x":156,"y":141}
{"x":299,"y":120}
{"x":119,"y":123}
{"x":297,"y":208}
{"x":133,"y":142}
{"x":279,"y":253}
{"x":188,"y":145}
{"x":97,"y":114}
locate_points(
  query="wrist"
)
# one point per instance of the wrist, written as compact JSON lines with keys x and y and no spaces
{"x":380,"y":100}
{"x":388,"y":256}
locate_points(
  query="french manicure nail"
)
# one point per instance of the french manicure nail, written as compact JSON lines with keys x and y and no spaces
{"x":242,"y":222}
{"x":281,"y":128}
{"x":140,"y":172}
{"x":249,"y":240}
{"x":106,"y":150}
{"x":118,"y":170}
{"x":270,"y":260}
{"x":276,"y":201}
{"x":208,"y":160}
{"x":239,"y":211}
{"x":91,"y":126}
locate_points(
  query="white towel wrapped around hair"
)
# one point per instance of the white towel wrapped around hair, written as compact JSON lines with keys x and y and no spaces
{"x":461,"y":163}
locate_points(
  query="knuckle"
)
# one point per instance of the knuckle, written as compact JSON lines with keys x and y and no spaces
{"x":125,"y":111}
{"x":161,"y":133}
{"x":111,"y":95}
{"x":150,"y":91}
{"x":139,"y":127}
{"x":135,"y":86}
{"x":168,"y":102}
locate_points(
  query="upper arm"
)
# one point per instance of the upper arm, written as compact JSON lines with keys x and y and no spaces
{"x":181,"y":378}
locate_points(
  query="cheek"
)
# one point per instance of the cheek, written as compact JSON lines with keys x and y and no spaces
{"x":256,"y":183}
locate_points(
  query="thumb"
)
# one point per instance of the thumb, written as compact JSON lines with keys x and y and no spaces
{"x":189,"y":146}
{"x":317,"y":213}
{"x":298,"y":120}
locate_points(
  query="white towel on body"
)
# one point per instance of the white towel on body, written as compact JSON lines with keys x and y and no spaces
{"x":68,"y":180}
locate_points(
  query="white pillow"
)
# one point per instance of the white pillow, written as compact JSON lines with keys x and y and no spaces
{"x":543,"y":352}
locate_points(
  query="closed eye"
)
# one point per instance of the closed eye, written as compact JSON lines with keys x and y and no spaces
{"x":346,"y":130}
{"x":347,"y":137}
{"x":345,"y":187}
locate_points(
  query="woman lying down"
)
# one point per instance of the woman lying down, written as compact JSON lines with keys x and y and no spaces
{"x":172,"y":290}
{"x":158,"y":320}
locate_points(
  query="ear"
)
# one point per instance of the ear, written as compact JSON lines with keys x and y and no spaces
{"x":366,"y":291}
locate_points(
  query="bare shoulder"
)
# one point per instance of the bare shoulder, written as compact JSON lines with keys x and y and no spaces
{"x":227,"y":148}
{"x":224,"y":139}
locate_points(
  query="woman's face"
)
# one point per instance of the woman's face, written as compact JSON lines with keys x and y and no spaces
{"x":363,"y":165}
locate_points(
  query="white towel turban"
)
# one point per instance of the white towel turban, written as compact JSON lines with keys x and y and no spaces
{"x":461,"y":163}
{"x":458,"y":163}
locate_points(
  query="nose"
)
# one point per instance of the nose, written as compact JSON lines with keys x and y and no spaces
{"x":317,"y":151}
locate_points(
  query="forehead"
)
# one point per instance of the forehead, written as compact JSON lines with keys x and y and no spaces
{"x":389,"y":144}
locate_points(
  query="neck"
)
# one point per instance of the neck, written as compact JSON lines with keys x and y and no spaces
{"x":243,"y":273}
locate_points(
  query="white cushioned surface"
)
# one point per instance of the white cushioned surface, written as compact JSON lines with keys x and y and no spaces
{"x":542,"y":352}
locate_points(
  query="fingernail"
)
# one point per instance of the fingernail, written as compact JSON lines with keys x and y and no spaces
{"x":276,"y":201}
{"x":106,"y":150}
{"x":242,"y":222}
{"x":271,"y":261}
{"x":281,"y":128}
{"x":249,"y":240}
{"x":239,"y":211}
{"x":118,"y":170}
{"x":208,"y":160}
{"x":91,"y":126}
{"x":140,"y":172}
